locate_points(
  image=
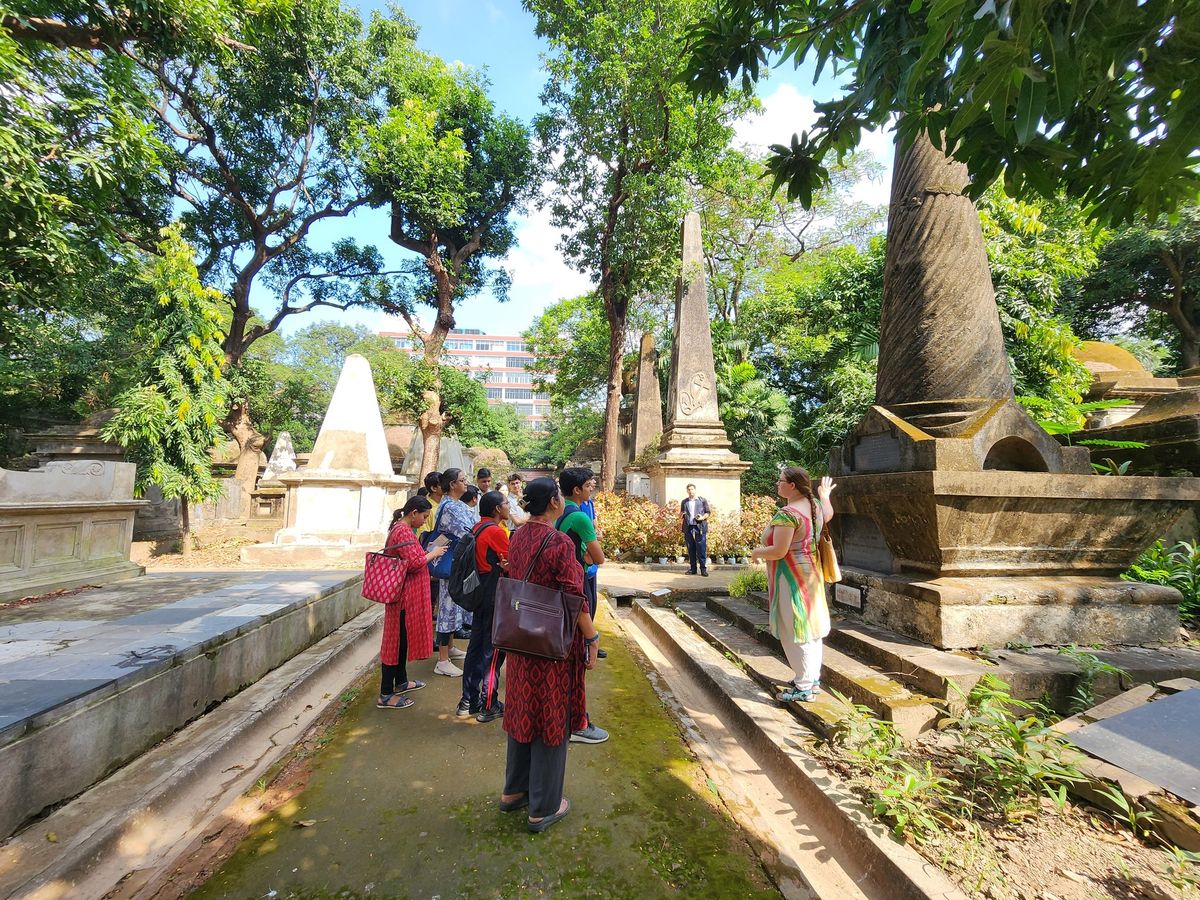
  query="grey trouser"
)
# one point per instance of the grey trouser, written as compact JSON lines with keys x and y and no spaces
{"x":537,"y":769}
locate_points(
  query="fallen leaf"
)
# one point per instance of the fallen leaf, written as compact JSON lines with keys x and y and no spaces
{"x":306,"y":823}
{"x":52,"y":837}
{"x":1074,"y":876}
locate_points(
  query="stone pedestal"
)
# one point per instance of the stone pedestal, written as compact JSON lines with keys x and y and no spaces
{"x":66,"y":524}
{"x":960,"y":521}
{"x":339,"y":504}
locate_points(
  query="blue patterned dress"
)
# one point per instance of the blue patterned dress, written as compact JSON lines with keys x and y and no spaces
{"x":455,"y":519}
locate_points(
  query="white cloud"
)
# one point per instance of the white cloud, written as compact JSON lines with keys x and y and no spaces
{"x":784,"y":112}
{"x":536,"y":265}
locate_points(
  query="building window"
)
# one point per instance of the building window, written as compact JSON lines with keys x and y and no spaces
{"x":541,"y":396}
{"x":524,"y":409}
{"x":518,"y":394}
{"x":516,"y":347}
{"x":516,"y":362}
{"x":482,"y":376}
{"x":495,"y":394}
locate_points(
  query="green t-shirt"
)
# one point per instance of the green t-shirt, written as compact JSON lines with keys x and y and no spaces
{"x":578,"y":526}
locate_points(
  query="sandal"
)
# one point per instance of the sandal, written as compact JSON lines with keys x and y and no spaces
{"x":546,"y":821}
{"x":795,"y":695}
{"x":410,"y":686}
{"x":393,"y":701}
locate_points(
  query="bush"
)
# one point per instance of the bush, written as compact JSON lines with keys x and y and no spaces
{"x":1179,"y":568}
{"x":636,"y":526}
{"x":746,"y":581}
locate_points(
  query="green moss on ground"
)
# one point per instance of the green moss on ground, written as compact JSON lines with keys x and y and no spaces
{"x":405,"y":805}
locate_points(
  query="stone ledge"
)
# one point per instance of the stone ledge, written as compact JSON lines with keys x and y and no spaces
{"x":101,"y":708}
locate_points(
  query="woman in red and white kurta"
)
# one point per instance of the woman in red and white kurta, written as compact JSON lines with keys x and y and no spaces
{"x":544,"y":698}
{"x":407,"y":618}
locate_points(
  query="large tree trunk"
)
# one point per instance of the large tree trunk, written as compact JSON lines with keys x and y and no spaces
{"x":611,"y":454}
{"x":250,"y":443}
{"x":432,"y":424}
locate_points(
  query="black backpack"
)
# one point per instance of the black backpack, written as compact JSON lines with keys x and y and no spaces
{"x":466,"y":586}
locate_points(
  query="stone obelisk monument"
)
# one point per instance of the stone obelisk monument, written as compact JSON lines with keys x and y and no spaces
{"x":340,"y":503}
{"x":647,"y":418}
{"x":960,"y":521}
{"x":695,"y":448}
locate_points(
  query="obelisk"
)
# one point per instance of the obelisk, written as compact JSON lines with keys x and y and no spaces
{"x":695,"y":448}
{"x":647,"y":410}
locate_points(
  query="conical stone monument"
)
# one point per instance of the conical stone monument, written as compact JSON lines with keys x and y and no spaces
{"x":340,"y":503}
{"x":962,"y":522}
{"x":695,"y":448}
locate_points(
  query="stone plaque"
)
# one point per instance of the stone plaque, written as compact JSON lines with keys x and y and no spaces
{"x":1159,"y":741}
{"x":108,"y":539}
{"x":863,"y":546}
{"x":844,"y":595}
{"x":55,"y":543}
{"x":876,"y":453}
{"x":10,"y":547}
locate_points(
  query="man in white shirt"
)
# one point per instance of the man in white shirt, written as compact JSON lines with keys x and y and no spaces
{"x":694,"y":512}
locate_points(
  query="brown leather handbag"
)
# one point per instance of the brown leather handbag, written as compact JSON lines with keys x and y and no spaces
{"x":534,"y":620}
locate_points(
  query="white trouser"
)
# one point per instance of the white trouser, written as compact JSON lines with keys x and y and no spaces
{"x":804,"y":658}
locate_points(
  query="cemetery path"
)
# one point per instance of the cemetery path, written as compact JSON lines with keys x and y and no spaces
{"x":403,"y":804}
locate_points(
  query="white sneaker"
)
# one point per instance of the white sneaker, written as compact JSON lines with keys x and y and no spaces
{"x":447,"y":668}
{"x":455,"y":653}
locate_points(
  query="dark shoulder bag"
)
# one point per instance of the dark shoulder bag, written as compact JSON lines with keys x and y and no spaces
{"x":534,"y":620}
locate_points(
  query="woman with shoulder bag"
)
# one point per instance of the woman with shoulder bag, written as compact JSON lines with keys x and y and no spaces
{"x":408,"y":619}
{"x":795,"y":583}
{"x":544,"y":701}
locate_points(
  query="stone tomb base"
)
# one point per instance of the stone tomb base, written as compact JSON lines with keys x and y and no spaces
{"x":968,"y":612}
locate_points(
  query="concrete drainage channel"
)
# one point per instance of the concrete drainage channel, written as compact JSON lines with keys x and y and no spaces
{"x":127,"y":830}
{"x":814,"y":836}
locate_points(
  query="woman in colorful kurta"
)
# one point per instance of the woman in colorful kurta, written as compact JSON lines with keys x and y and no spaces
{"x":454,"y":519}
{"x":544,"y":699}
{"x":795,"y":588}
{"x":407,"y":620}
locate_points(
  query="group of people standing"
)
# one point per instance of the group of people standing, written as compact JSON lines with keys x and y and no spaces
{"x":545,"y":533}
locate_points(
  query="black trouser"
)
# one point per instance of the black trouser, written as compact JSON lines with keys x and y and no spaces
{"x":538,"y":770}
{"x":590,"y":591}
{"x":397,"y":676}
{"x":479,"y":655}
{"x":696,"y":537}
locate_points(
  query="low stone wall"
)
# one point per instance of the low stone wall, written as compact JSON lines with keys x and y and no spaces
{"x":57,"y":753}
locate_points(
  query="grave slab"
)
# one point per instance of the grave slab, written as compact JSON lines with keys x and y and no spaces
{"x":1159,"y":741}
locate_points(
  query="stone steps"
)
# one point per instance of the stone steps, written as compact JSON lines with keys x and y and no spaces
{"x":888,"y":699}
{"x":770,"y":672}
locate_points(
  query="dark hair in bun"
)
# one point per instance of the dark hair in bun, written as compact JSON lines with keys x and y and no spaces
{"x":490,"y":502}
{"x":413,"y":504}
{"x":539,"y":494}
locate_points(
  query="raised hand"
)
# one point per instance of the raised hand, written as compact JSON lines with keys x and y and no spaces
{"x":826,"y":487}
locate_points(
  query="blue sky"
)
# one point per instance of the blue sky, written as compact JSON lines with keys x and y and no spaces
{"x":498,"y":36}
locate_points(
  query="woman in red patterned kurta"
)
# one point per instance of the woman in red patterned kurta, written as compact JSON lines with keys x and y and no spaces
{"x":407,"y":620}
{"x":542,"y":694}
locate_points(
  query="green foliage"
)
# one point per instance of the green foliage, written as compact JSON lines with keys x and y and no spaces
{"x":569,"y":342}
{"x":1126,"y":812}
{"x":747,"y":581}
{"x":1006,"y":759}
{"x":1088,"y":99}
{"x":1145,"y":284}
{"x":1178,"y":567}
{"x":1182,"y":868}
{"x":169,"y":422}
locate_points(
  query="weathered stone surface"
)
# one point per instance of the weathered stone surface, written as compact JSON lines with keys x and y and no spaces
{"x":647,"y":413}
{"x":66,"y":524}
{"x":939,"y":332}
{"x":283,"y":459}
{"x":955,"y":613}
{"x":695,"y":447}
{"x":1169,"y":423}
{"x":1009,"y":523}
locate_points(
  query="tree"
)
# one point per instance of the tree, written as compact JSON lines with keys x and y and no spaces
{"x":747,"y":229}
{"x":1148,"y":270}
{"x":72,"y":133}
{"x":625,"y":139}
{"x":455,"y":217}
{"x":171,"y":420}
{"x":265,"y":146}
{"x":1097,"y":101}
